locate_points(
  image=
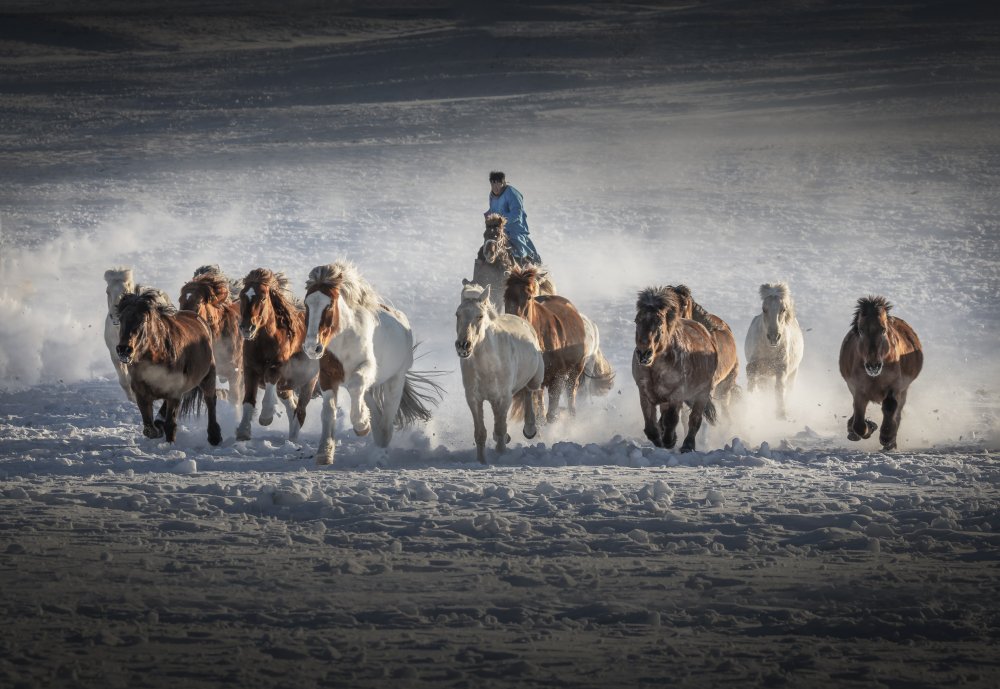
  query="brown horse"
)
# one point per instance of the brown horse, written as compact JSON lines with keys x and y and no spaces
{"x":169,"y":357}
{"x":273,"y":326}
{"x":674,"y":363}
{"x":208,"y":295}
{"x":728,"y":368}
{"x":879,"y":358}
{"x":494,"y":261}
{"x":561,"y":332}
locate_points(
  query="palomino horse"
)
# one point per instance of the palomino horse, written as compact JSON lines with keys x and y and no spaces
{"x":773,"y":344}
{"x":208,"y":295}
{"x":495,"y":261}
{"x":169,"y":357}
{"x":373,"y":342}
{"x":728,"y":368}
{"x":561,"y":332}
{"x":273,"y":326}
{"x":674,"y":363}
{"x":501,"y":360}
{"x":879,"y":358}
{"x":120,"y":282}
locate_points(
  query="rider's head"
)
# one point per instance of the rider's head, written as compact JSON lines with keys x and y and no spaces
{"x":497,"y":181}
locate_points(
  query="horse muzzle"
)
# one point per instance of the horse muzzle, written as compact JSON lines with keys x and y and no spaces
{"x":124,"y":353}
{"x":873,"y":370}
{"x":463,"y":348}
{"x":313,"y":351}
{"x":774,"y":340}
{"x":644,"y":356}
{"x":248,"y":332}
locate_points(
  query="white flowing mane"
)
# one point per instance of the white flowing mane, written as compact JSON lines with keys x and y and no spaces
{"x":353,"y":287}
{"x":121,"y":274}
{"x":779,"y":290}
{"x":472,"y":292}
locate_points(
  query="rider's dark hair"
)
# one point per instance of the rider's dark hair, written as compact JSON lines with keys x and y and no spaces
{"x":497,"y":176}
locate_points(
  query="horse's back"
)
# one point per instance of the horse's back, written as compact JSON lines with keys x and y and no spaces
{"x":561,"y":320}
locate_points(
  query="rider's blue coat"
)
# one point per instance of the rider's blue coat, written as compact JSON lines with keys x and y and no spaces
{"x":510,"y":204}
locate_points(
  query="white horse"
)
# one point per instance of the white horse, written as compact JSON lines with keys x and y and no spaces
{"x":374,"y":344}
{"x":774,"y":344}
{"x":120,"y":282}
{"x":501,"y":363}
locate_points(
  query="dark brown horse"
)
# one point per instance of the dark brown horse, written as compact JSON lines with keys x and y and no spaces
{"x":208,"y":295}
{"x":273,"y":326}
{"x":495,"y":260}
{"x":561,"y":333}
{"x":728,"y":367}
{"x":879,"y":358}
{"x":674,"y":363}
{"x":169,"y":357}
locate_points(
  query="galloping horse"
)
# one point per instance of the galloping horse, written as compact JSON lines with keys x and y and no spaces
{"x":674,"y":363}
{"x":120,"y":282}
{"x":494,"y":261}
{"x":561,"y":332}
{"x":208,"y":295}
{"x":374,"y":344}
{"x":773,"y":345}
{"x":728,"y":368}
{"x":273,"y":327}
{"x":501,"y":360}
{"x":169,"y":357}
{"x":879,"y":358}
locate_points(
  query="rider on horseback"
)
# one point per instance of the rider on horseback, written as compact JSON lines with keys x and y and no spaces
{"x":508,"y":202}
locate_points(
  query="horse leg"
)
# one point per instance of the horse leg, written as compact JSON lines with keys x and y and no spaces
{"x":779,"y":395}
{"x":210,"y":395}
{"x":123,"y":379}
{"x":892,"y":412}
{"x":555,"y":391}
{"x":357,"y":385}
{"x":268,"y":404}
{"x":170,"y":407}
{"x":328,"y":419}
{"x":501,"y":407}
{"x":694,"y":424}
{"x":149,"y":427}
{"x":651,"y":427}
{"x":753,"y":376}
{"x":858,"y":427}
{"x":392,"y":396}
{"x":530,"y":422}
{"x":670,"y":414}
{"x":290,"y":401}
{"x":249,"y":403}
{"x":476,"y":406}
{"x":573,"y":386}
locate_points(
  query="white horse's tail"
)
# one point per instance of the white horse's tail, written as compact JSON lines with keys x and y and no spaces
{"x":420,"y":394}
{"x":600,"y":375}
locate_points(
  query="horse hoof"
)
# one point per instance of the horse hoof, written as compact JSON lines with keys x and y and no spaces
{"x":152,"y":431}
{"x":872,"y":427}
{"x":363,"y":429}
{"x":685,"y":448}
{"x":530,"y":434}
{"x":265,"y":420}
{"x":851,"y":435}
{"x":214,"y":436}
{"x":891,"y":445}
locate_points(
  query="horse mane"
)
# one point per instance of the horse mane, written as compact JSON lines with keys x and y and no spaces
{"x":868,"y":307}
{"x":525,"y":277}
{"x":657,"y":299}
{"x":150,"y":300}
{"x":235,"y":284}
{"x":781,"y":291}
{"x":495,"y":220}
{"x":472,"y":291}
{"x":119,"y":274}
{"x":282,"y":300}
{"x":215,"y":283}
{"x":345,"y":277}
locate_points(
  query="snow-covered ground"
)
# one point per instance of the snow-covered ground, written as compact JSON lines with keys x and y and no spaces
{"x":847,"y":150}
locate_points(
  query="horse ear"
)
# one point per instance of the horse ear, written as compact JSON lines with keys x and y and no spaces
{"x":485,"y":295}
{"x":466,"y":282}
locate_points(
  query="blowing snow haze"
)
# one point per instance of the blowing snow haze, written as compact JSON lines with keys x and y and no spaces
{"x":846,"y":150}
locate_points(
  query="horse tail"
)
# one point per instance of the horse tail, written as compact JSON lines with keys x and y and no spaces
{"x":192,"y":402}
{"x":710,"y":414}
{"x":420,"y":394}
{"x":517,"y":407}
{"x":601,"y":376}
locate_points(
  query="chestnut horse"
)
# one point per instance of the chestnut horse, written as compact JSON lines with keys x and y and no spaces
{"x":494,"y":261}
{"x":120,"y":282}
{"x":674,"y":363}
{"x":273,"y":326}
{"x":561,"y":331}
{"x":725,"y":387}
{"x":208,"y":295}
{"x":879,"y":358}
{"x":169,"y":357}
{"x":373,"y":342}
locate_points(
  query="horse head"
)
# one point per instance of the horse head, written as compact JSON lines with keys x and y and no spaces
{"x":685,"y":302}
{"x":322,"y":308}
{"x":256,"y":311}
{"x":777,"y":310}
{"x":522,"y":286}
{"x":496,"y":246}
{"x":137,"y":312}
{"x":658,"y":311}
{"x":872,"y":324}
{"x":473,"y":316}
{"x":120,"y":282}
{"x":208,"y":290}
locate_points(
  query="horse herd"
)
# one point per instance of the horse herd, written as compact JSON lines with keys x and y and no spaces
{"x":515,"y":339}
